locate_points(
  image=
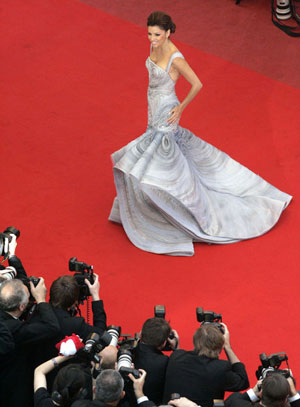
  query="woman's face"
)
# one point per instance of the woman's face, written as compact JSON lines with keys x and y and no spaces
{"x":157,"y":36}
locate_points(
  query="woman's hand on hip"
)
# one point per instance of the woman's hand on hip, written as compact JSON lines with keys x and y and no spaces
{"x":175,"y":114}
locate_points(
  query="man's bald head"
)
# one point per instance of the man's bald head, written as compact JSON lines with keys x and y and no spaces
{"x":108,"y":357}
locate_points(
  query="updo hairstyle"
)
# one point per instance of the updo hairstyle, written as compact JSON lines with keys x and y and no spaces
{"x":162,"y":20}
{"x":69,"y":385}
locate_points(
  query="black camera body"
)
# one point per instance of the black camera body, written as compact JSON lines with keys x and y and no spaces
{"x":271,"y":364}
{"x":209,"y":317}
{"x":83,"y":271}
{"x":174,"y":396}
{"x":11,"y":230}
{"x":35,"y":281}
{"x":128,"y":341}
{"x":93,"y":345}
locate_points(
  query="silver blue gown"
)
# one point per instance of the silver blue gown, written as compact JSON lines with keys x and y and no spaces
{"x":174,"y":189}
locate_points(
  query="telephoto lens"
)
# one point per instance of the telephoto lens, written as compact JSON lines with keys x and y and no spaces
{"x":114,"y":332}
{"x":124,"y":365}
{"x":124,"y":358}
{"x":8,"y":273}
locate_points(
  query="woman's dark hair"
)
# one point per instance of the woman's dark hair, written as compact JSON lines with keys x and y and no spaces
{"x":69,"y":381}
{"x":162,"y":20}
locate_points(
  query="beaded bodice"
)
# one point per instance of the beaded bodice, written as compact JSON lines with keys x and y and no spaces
{"x":161,"y":94}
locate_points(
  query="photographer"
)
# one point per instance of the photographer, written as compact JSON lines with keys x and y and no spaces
{"x":108,"y":391}
{"x":148,"y":355}
{"x":274,"y":391}
{"x":68,"y":385}
{"x":143,"y":400}
{"x":64,"y":295}
{"x":18,"y":367}
{"x":200,"y":375}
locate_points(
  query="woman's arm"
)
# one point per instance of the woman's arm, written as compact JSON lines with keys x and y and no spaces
{"x":46,"y":367}
{"x":186,"y":71}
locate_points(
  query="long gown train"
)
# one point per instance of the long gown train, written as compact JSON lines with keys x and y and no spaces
{"x":174,"y":189}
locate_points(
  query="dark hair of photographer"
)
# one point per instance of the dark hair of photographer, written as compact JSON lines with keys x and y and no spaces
{"x":69,"y":382}
{"x":208,"y":341}
{"x":64,"y":292}
{"x":68,"y":385}
{"x":155,"y":332}
{"x":275,"y":391}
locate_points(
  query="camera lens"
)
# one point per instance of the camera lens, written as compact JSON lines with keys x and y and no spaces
{"x":124,"y":359}
{"x":91,"y":342}
{"x":8,"y":273}
{"x":114,"y":331}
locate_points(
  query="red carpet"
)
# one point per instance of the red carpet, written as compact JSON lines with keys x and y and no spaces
{"x":73,"y":91}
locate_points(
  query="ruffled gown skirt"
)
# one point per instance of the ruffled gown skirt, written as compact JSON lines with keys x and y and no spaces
{"x":174,"y":188}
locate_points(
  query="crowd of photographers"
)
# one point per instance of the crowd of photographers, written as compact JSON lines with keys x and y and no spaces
{"x":50,"y":356}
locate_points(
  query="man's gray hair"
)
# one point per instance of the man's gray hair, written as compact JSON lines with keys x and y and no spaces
{"x":12,"y":295}
{"x":109,"y":386}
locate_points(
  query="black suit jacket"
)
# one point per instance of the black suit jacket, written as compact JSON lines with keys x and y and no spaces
{"x":7,"y":343}
{"x":155,"y":363}
{"x":243,"y":400}
{"x":16,"y":374}
{"x":89,"y":403}
{"x":202,"y":379}
{"x":97,"y":403}
{"x":15,"y":262}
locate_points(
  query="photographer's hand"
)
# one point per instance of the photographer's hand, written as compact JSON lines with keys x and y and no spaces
{"x":182,"y":402}
{"x":12,"y":245}
{"x":138,"y":384}
{"x":231,"y":356}
{"x":291,"y":381}
{"x":174,"y":343}
{"x":257,"y":389}
{"x":94,"y":288}
{"x":39,"y":292}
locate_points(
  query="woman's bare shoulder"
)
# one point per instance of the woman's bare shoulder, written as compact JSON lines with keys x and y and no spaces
{"x":173,"y":48}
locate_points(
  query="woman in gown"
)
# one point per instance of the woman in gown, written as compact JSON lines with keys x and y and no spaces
{"x":173,"y":188}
